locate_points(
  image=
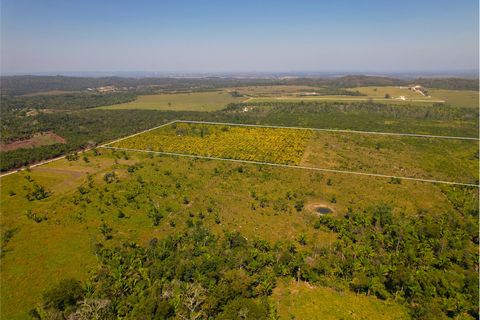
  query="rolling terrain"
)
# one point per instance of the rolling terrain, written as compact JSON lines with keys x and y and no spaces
{"x":132,"y":234}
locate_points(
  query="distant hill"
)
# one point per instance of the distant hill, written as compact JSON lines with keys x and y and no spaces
{"x":18,"y":85}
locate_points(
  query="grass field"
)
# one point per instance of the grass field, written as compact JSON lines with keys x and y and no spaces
{"x":427,"y":158}
{"x":217,"y":100}
{"x":457,"y":98}
{"x":48,"y":93}
{"x":195,"y":101}
{"x":274,"y":90}
{"x":394,"y":92}
{"x":255,"y":200}
{"x":340,"y":98}
{"x":302,"y":301}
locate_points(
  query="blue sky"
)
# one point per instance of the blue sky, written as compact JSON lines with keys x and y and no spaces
{"x":224,"y":36}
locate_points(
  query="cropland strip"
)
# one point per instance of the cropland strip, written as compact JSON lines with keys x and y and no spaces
{"x":395,"y":157}
{"x":275,"y":145}
{"x":193,"y":101}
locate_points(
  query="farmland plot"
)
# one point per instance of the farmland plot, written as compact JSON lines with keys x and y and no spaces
{"x":431,"y":159}
{"x":274,"y":145}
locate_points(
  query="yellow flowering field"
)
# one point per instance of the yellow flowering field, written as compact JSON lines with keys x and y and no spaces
{"x":274,"y":145}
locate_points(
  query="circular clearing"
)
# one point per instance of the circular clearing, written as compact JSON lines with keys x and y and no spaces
{"x":319,"y":208}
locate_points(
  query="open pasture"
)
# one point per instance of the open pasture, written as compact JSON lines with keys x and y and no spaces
{"x":457,"y":98}
{"x":345,"y":98}
{"x":393,"y":91}
{"x":194,"y":101}
{"x":427,"y":158}
{"x":397,"y":95}
{"x":278,"y":90}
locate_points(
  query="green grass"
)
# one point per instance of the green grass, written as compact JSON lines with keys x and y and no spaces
{"x":394,"y":92}
{"x":274,"y":90}
{"x":432,"y":158}
{"x":48,"y":93}
{"x":195,"y":101}
{"x":340,"y":98}
{"x":258,"y":201}
{"x":457,"y":98}
{"x":301,"y":301}
{"x":426,"y":158}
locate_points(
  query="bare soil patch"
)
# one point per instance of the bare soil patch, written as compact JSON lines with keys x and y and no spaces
{"x":41,"y":139}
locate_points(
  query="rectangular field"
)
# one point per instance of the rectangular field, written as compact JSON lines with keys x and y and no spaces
{"x":427,"y":158}
{"x":282,"y":146}
{"x":194,"y":101}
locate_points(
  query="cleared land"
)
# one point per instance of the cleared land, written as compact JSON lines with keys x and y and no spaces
{"x":340,"y":98}
{"x":255,"y":200}
{"x":37,"y":140}
{"x":394,"y":92}
{"x":274,"y":90}
{"x":195,"y":101}
{"x":217,"y":100}
{"x":457,"y":98}
{"x":428,"y":158}
{"x":424,"y":158}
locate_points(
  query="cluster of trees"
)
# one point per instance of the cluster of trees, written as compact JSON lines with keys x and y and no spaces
{"x":369,"y":116}
{"x":193,"y":275}
{"x":429,"y":262}
{"x":70,"y":101}
{"x":424,"y":112}
{"x":449,"y":83}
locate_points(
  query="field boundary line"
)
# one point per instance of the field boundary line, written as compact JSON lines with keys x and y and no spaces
{"x":104,"y":145}
{"x":136,"y":134}
{"x":84,"y":150}
{"x":378,"y":175}
{"x":320,"y":98}
{"x":417,"y":135}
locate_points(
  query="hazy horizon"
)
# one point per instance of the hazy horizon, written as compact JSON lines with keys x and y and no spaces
{"x":245,"y":37}
{"x":472,"y":74}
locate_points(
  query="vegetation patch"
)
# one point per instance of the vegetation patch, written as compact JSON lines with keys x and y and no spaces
{"x":192,"y":101}
{"x":273,"y":145}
